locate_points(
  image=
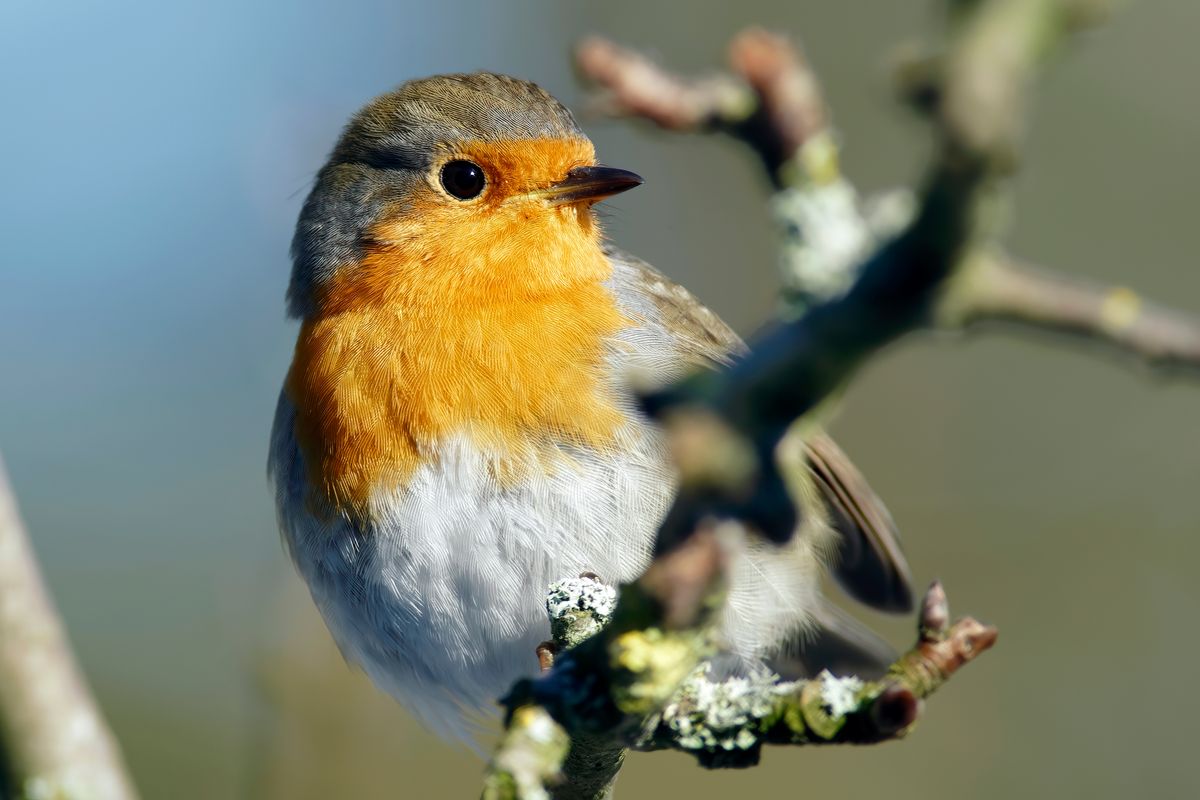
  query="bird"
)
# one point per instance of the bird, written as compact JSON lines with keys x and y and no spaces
{"x":460,"y":425}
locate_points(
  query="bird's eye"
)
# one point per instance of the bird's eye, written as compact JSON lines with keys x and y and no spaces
{"x":463,"y":179}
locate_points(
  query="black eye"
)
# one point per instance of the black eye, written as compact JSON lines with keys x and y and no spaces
{"x":463,"y":179}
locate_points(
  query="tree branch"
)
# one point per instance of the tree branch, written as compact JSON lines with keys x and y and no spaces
{"x":997,"y":289}
{"x":726,"y":723}
{"x":55,"y":741}
{"x":721,"y":723}
{"x":772,"y":102}
{"x":598,"y":693}
{"x":639,"y":681}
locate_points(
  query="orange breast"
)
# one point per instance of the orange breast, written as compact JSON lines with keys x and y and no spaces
{"x":417,"y":344}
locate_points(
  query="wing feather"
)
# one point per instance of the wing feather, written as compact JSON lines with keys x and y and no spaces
{"x":871,"y":566}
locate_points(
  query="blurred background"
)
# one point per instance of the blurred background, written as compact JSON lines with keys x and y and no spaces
{"x":155,"y":158}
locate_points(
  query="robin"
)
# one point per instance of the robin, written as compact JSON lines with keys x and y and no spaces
{"x":459,"y":427}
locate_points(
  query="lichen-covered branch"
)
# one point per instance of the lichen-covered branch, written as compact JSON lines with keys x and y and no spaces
{"x":528,"y":758}
{"x":773,"y":103}
{"x":721,"y":723}
{"x":55,"y":743}
{"x":854,"y":290}
{"x":726,"y":723}
{"x":801,"y":363}
{"x":599,"y":693}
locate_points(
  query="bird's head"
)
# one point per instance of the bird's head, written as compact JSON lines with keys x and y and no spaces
{"x":455,"y":183}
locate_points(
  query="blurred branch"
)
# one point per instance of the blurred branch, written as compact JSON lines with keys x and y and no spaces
{"x":995,"y":288}
{"x":772,"y":102}
{"x":56,"y":745}
{"x":723,"y":428}
{"x":857,"y":281}
{"x":993,"y":50}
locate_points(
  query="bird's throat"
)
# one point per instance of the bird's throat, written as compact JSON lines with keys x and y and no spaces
{"x":383,"y":381}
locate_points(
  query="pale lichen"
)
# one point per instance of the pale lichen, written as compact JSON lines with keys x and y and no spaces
{"x":708,"y":715}
{"x":653,"y":663}
{"x":578,"y":608}
{"x":736,"y":714}
{"x":842,"y":695}
{"x":824,"y":239}
{"x":529,"y":757}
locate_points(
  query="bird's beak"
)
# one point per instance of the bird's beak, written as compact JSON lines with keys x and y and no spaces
{"x":584,"y":184}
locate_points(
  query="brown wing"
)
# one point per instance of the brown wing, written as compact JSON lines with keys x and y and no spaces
{"x":703,"y":338}
{"x":871,"y":566}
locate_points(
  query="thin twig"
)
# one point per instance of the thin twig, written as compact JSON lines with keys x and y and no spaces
{"x":726,"y":723}
{"x":56,"y":743}
{"x":997,"y":289}
{"x":772,"y":102}
{"x":636,"y":86}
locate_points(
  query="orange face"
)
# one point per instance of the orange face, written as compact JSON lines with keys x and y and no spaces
{"x":506,"y":240}
{"x":484,"y":318}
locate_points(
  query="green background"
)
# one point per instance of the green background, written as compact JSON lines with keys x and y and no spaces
{"x":156,"y":156}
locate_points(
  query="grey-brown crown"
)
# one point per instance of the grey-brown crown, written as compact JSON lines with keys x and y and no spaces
{"x":387,"y":147}
{"x":405,"y":126}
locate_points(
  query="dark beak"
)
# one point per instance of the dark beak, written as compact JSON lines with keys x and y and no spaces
{"x":584,"y":184}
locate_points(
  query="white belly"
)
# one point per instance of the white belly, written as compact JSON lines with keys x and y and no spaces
{"x":440,"y":597}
